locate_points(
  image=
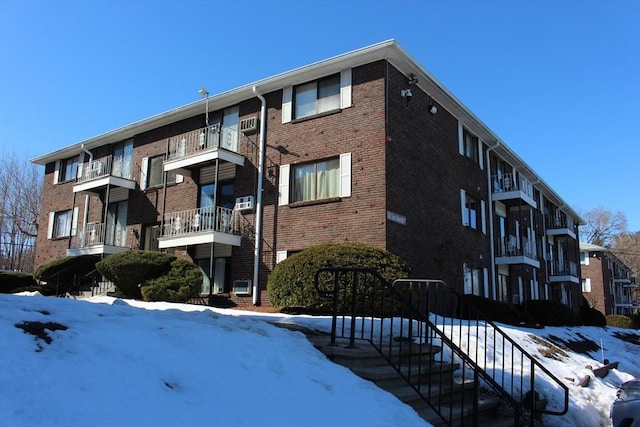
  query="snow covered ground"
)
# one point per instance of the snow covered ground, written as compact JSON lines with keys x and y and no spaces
{"x":122,"y":362}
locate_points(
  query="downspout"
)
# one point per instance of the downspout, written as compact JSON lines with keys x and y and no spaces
{"x":85,"y":218}
{"x":256,"y":250}
{"x":491,"y":238}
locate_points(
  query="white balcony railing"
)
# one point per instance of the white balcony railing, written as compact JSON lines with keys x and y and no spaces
{"x":106,"y":166}
{"x":512,"y":182}
{"x":200,"y":220}
{"x":511,"y":246}
{"x":201,"y":140}
{"x":96,"y":234}
{"x":564,"y":268}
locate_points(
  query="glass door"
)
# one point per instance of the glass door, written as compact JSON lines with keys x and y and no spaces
{"x":117,"y":224}
{"x":122,"y":159}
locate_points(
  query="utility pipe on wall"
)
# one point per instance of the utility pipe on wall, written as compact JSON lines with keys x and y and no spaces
{"x":256,"y":251}
{"x":491,"y":231}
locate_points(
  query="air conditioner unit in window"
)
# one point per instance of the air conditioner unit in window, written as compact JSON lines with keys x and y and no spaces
{"x":248,"y":125}
{"x":245,"y":203}
{"x":242,"y":287}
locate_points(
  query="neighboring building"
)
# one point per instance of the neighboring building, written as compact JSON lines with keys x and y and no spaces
{"x":365,"y":146}
{"x":607,"y":284}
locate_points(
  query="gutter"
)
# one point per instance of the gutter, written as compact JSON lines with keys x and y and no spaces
{"x":256,"y":250}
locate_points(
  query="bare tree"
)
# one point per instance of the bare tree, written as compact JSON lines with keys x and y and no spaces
{"x":20,"y":193}
{"x":626,"y":247}
{"x":603,"y":226}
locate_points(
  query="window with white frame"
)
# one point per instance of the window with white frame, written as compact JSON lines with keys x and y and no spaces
{"x":317,"y":97}
{"x":472,"y":211}
{"x":153,"y":171}
{"x":473,"y":281}
{"x":62,"y":223}
{"x":586,"y":285}
{"x":470,"y":146}
{"x":67,"y":169}
{"x":325,"y":179}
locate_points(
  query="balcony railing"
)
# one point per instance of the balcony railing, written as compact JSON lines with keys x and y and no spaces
{"x":511,"y":246}
{"x":199,"y":220}
{"x":201,"y":140}
{"x":512,"y":182}
{"x":553,"y":222}
{"x":564,"y":268}
{"x":106,"y":166}
{"x":96,"y":234}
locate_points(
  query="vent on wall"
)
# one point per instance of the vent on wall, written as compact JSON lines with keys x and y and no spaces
{"x":249,"y":125}
{"x":242,"y":287}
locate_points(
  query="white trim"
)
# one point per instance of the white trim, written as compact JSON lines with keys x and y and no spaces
{"x":287,"y":104}
{"x":283,"y":185}
{"x":460,"y":138}
{"x":345,"y":88}
{"x":463,"y":207}
{"x":52,"y":218}
{"x":345,"y":175}
{"x":144,"y":167}
{"x":483,"y":217}
{"x":480,"y":155}
{"x":485,"y":272}
{"x":56,"y":172}
{"x":179,"y":178}
{"x":74,"y":221}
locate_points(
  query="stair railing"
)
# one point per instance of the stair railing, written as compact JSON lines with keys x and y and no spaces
{"x":426,"y":330}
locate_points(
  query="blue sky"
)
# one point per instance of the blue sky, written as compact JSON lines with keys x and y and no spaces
{"x":558,"y":81}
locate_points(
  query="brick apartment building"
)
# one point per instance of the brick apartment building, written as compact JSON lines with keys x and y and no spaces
{"x":608,"y":284}
{"x":366,"y":146}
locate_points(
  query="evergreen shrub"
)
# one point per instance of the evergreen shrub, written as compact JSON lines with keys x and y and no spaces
{"x":60,"y":274}
{"x":592,"y":317}
{"x":551,"y":313}
{"x":13,"y":281}
{"x":292,"y":281}
{"x":130,"y":269}
{"x":182,"y":282}
{"x":621,"y":321}
{"x":496,"y":311}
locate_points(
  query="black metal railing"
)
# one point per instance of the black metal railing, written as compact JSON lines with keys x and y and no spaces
{"x":426,"y":330}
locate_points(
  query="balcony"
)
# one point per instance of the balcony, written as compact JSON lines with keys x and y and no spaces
{"x":513,"y":187}
{"x":97,"y":174}
{"x":563,"y":271}
{"x":560,"y":226}
{"x":514,"y":250}
{"x":98,"y":239}
{"x":198,"y":226}
{"x":193,"y":149}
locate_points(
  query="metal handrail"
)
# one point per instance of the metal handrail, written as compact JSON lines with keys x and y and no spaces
{"x":414,"y":316}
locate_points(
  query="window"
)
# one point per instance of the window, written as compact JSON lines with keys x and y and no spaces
{"x":155,"y":171}
{"x":317,"y":97}
{"x":62,"y":224}
{"x":151,"y":235}
{"x":470,"y":146}
{"x":68,"y":169}
{"x":315,"y":181}
{"x":473,"y":281}
{"x":502,"y":287}
{"x":586,"y":285}
{"x":472,"y":212}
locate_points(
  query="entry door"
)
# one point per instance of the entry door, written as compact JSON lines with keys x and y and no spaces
{"x":218,"y":275}
{"x":117,"y":224}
